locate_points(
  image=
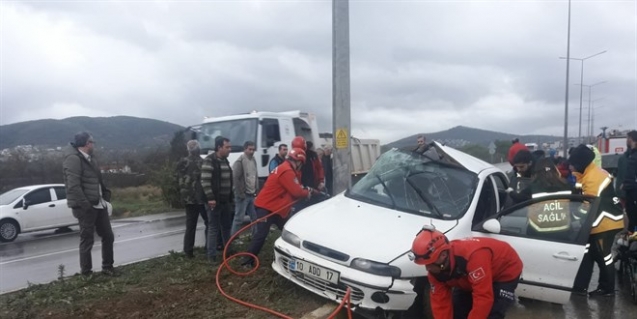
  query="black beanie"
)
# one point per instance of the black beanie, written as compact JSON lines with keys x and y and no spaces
{"x":581,"y":157}
{"x":523,"y":157}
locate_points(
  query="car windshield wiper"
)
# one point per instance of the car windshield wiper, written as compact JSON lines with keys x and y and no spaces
{"x":393,"y":202}
{"x":425,"y":199}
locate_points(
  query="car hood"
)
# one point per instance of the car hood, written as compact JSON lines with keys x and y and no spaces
{"x":359,"y":229}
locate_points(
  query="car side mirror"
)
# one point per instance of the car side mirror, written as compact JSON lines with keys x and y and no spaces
{"x":492,"y":226}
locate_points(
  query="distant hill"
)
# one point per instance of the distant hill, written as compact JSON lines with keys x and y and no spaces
{"x":117,"y":132}
{"x":461,"y":135}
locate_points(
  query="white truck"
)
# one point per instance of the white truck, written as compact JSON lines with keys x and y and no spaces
{"x":266,"y":129}
{"x":611,"y":146}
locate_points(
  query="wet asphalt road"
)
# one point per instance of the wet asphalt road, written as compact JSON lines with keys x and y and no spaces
{"x":35,"y":257}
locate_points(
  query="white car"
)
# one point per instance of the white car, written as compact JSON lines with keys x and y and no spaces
{"x":361,"y":239}
{"x":33,"y":208}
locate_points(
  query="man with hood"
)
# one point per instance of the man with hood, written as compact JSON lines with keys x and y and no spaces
{"x":609,"y":220}
{"x":189,"y":172}
{"x":89,"y":199}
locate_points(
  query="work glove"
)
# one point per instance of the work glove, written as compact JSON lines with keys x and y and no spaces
{"x":309,"y":192}
{"x":508,"y":190}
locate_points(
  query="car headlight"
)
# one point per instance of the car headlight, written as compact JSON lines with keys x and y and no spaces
{"x":375,"y":268}
{"x":291,"y":239}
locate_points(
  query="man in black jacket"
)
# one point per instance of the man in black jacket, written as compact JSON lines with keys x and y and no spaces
{"x":629,"y":184}
{"x":89,"y":199}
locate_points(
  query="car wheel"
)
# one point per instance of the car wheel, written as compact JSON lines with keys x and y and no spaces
{"x":9,"y":230}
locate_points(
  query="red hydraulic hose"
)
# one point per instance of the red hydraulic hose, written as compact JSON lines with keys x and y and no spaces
{"x":225,"y":264}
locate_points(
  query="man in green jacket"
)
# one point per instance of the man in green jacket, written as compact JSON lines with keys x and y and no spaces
{"x":89,"y":199}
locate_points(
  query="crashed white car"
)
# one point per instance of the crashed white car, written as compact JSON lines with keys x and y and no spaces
{"x":362,"y":238}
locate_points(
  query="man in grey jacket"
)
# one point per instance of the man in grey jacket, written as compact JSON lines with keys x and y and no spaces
{"x":246,"y":184}
{"x":89,"y":199}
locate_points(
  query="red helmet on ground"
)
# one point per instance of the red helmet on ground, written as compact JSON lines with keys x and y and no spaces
{"x":297,"y":154}
{"x":428,"y":245}
{"x":299,"y":142}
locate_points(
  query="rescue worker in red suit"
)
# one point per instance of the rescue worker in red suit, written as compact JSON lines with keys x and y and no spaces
{"x":279,"y":192}
{"x":471,"y":278}
{"x":516,"y":146}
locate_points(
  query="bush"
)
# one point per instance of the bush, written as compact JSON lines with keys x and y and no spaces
{"x":166,"y":179}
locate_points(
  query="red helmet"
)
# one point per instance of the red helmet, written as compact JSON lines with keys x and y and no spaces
{"x":428,"y":245}
{"x":299,"y":142}
{"x":297,"y":154}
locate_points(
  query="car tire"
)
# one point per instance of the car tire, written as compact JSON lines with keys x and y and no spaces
{"x":9,"y":230}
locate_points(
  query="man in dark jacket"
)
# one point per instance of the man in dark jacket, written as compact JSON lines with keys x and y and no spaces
{"x":279,"y":158}
{"x":629,"y":184}
{"x":189,"y":171}
{"x":89,"y":199}
{"x":216,"y":180}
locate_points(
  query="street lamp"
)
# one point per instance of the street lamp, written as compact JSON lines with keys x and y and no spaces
{"x":590,"y":88}
{"x":568,"y":55}
{"x":581,"y":89}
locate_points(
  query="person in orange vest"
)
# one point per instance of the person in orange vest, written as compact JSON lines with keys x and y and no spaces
{"x":280,"y":191}
{"x":471,"y":278}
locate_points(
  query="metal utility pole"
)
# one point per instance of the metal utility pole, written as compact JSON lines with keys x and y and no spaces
{"x":579,"y":136}
{"x":341,"y":114}
{"x":568,"y":60}
{"x":589,"y":129}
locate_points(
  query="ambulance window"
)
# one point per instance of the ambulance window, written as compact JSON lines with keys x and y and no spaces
{"x":552,"y":220}
{"x":270,"y":133}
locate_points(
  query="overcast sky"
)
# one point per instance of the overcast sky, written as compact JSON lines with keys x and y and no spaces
{"x":416,"y":66}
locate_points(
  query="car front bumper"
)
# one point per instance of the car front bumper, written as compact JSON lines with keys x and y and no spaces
{"x":367,"y":290}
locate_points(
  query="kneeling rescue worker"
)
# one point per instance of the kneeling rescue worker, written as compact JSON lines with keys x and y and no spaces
{"x":483,"y":271}
{"x":279,"y":192}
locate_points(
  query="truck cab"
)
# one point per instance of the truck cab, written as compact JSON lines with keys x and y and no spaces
{"x":265,"y":129}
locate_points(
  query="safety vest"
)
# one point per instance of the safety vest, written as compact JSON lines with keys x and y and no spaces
{"x":550,"y":215}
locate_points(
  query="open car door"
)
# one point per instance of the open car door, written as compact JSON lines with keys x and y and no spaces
{"x":553,"y":254}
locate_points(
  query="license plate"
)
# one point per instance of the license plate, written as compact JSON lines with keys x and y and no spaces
{"x":313,"y":270}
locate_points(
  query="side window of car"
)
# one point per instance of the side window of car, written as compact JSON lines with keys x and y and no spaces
{"x":501,"y":184}
{"x":487,"y":203}
{"x":60,"y":192}
{"x":551,"y":219}
{"x":39,"y":196}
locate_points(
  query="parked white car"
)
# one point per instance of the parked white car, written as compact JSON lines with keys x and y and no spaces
{"x":362,"y":238}
{"x":33,"y":208}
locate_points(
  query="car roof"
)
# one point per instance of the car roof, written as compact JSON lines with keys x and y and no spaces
{"x":30,"y":187}
{"x":469,"y":162}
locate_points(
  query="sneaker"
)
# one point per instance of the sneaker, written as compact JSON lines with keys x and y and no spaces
{"x":601,"y":292}
{"x":580,"y":291}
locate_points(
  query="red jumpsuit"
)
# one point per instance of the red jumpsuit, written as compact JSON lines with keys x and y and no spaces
{"x":281,"y":189}
{"x":478,"y":265}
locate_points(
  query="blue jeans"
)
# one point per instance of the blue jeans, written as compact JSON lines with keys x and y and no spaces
{"x":243,"y":206}
{"x":219,"y":220}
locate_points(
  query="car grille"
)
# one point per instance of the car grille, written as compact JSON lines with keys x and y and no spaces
{"x":331,"y":253}
{"x":339,"y":290}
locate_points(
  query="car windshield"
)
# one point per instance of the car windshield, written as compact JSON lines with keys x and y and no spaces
{"x":8,"y":197}
{"x":237,"y":131}
{"x":415,"y":184}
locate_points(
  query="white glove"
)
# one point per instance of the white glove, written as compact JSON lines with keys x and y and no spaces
{"x":309,"y":192}
{"x":321,"y":186}
{"x":508,"y":190}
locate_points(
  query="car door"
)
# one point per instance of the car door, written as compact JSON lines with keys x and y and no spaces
{"x":551,"y":258}
{"x":37,"y":208}
{"x":62,"y":215}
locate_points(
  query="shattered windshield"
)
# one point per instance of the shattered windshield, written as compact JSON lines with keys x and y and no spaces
{"x":237,"y":131}
{"x":414,"y":184}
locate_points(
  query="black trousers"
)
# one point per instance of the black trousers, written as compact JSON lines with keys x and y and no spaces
{"x":631,"y":209}
{"x":193,"y":211}
{"x":262,"y":230}
{"x":599,"y":251}
{"x":503,"y":298}
{"x":92,"y":221}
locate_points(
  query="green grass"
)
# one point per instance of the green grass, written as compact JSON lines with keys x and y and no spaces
{"x":138,"y":201}
{"x":168,"y":287}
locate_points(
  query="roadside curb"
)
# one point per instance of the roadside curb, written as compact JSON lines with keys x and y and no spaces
{"x":321,"y":312}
